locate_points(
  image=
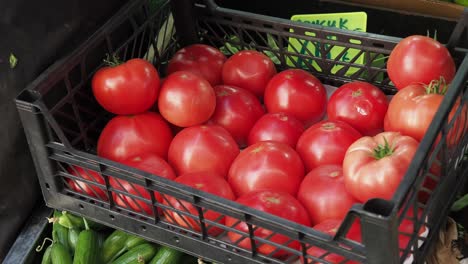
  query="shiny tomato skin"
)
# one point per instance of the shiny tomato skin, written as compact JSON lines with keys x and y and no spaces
{"x":326,"y":143}
{"x":298,"y":93}
{"x":280,"y":127}
{"x":266,"y":165}
{"x":204,"y":181}
{"x":200,"y":59}
{"x":323,"y":194}
{"x":129,"y":88}
{"x":186,"y":99}
{"x":280,"y":204}
{"x":237,"y":110}
{"x":84,"y":187}
{"x":203,"y":148}
{"x":331,"y":226}
{"x":360,"y":104}
{"x":412,"y":110}
{"x":419,"y":59}
{"x":367,"y":177}
{"x":250,"y":70}
{"x":147,"y":162}
{"x":127,"y":136}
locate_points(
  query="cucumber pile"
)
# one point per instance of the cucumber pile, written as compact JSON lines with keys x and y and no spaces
{"x":76,"y":240}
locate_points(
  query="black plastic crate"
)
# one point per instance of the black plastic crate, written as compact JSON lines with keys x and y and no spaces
{"x":62,"y":122}
{"x":32,"y":235}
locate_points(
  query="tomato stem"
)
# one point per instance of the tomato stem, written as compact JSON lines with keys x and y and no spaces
{"x":382,"y":151}
{"x":437,"y":87}
{"x":112,"y":60}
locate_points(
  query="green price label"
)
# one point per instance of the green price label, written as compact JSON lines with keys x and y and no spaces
{"x":356,"y":21}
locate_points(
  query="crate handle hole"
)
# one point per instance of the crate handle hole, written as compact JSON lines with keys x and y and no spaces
{"x":47,"y":186}
{"x":81,"y":206}
{"x":378,"y":45}
{"x":143,"y":228}
{"x":176,"y":239}
{"x":379,"y":206}
{"x":112,"y":217}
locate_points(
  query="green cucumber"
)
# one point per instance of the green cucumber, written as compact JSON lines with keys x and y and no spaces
{"x":47,"y":258}
{"x":138,"y":255}
{"x":59,"y":232}
{"x":59,"y":254}
{"x":73,"y":234}
{"x":114,"y":246}
{"x":70,"y":220}
{"x":167,"y":255}
{"x":87,"y":248}
{"x":133,"y":241}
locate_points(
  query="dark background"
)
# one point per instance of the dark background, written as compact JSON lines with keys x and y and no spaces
{"x":37,"y":33}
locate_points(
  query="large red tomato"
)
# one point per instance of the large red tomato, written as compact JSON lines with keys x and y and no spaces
{"x":128,"y":136}
{"x":147,"y":162}
{"x":203,"y":60}
{"x":186,"y":99}
{"x":330,"y":227}
{"x":129,"y":88}
{"x":280,"y":127}
{"x":360,"y":104}
{"x":419,"y":59}
{"x":203,"y":148}
{"x":237,"y":110}
{"x":412,"y":109}
{"x":373,"y":167}
{"x":87,"y":188}
{"x":326,"y":143}
{"x":266,"y":165}
{"x":323,"y":194}
{"x":279,"y":204}
{"x":250,"y":70}
{"x":297,"y":93}
{"x":205,"y":181}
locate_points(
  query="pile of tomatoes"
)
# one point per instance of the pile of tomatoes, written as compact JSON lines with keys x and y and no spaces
{"x":239,"y":129}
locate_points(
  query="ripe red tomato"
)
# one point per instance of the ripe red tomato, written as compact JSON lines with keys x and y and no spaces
{"x":280,"y":204}
{"x":147,"y":162}
{"x":205,"y":181}
{"x":360,"y":104}
{"x":405,"y":229}
{"x":323,"y":194}
{"x":280,"y":127}
{"x":412,"y":109}
{"x":326,"y":143}
{"x":266,"y":165}
{"x":373,"y":167}
{"x":129,"y":88}
{"x":330,"y":227}
{"x":87,"y":188}
{"x":237,"y":110}
{"x":419,"y":59}
{"x":203,"y":148}
{"x":297,"y":93}
{"x":186,"y":99}
{"x":202,"y":60}
{"x":250,"y":70}
{"x":129,"y":136}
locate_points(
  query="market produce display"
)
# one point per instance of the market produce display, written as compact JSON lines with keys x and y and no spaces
{"x":240,"y":129}
{"x":77,"y":240}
